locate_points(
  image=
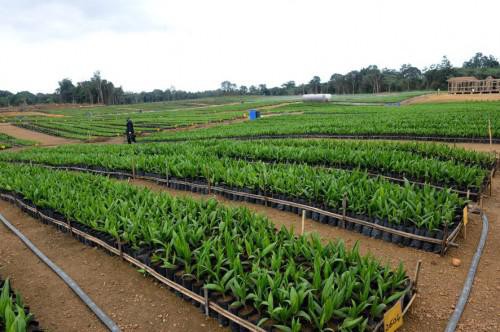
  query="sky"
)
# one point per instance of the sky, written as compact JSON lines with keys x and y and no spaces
{"x":196,"y":44}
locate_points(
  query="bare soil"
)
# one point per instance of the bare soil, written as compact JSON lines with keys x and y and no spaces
{"x":134,"y":302}
{"x":270,"y":107}
{"x":28,"y":113}
{"x":444,"y":97}
{"x":45,"y":107}
{"x":42,"y":139}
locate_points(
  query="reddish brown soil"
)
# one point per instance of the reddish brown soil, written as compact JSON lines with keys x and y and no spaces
{"x":134,"y":302}
{"x":45,"y":107}
{"x":42,"y":139}
{"x":270,"y":107}
{"x":28,"y":113}
{"x":444,"y":97}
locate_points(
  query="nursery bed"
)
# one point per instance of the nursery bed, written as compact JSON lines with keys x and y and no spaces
{"x":440,"y":243}
{"x":200,"y":296}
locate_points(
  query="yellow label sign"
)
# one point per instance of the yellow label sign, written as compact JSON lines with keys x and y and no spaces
{"x":466,"y":215}
{"x":393,"y":318}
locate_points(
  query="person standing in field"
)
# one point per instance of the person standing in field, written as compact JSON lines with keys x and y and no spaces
{"x":130,"y":132}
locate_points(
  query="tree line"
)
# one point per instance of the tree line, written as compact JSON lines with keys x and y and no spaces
{"x":370,"y":79}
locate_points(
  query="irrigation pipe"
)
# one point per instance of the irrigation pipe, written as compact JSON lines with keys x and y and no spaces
{"x":462,"y":300}
{"x":70,"y":282}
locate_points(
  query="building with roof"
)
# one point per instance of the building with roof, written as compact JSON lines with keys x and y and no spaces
{"x":470,"y":84}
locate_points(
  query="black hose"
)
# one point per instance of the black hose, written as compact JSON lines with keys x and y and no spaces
{"x":462,"y":300}
{"x":70,"y":282}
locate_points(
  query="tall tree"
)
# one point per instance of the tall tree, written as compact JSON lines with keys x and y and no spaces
{"x":227,"y":87}
{"x":411,"y":75}
{"x":315,"y":84}
{"x":263,"y":90}
{"x":97,"y":86}
{"x":66,"y":91}
{"x":481,"y":61}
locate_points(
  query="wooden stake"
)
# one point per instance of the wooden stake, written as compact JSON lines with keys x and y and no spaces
{"x":207,"y":175}
{"x":205,"y":292}
{"x":489,"y":131}
{"x":119,"y":246}
{"x":417,"y":273}
{"x":445,"y":239}
{"x":464,"y":229}
{"x":166,"y":172}
{"x":344,"y":208}
{"x":491,"y":182}
{"x":303,"y":222}
{"x":70,"y":228}
{"x":133,"y":168}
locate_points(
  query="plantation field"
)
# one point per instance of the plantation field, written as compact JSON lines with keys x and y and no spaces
{"x":388,"y":97}
{"x":328,"y":172}
{"x":462,"y":121}
{"x":7,"y":141}
{"x":408,"y":194}
{"x":108,"y":121}
{"x":237,"y":255}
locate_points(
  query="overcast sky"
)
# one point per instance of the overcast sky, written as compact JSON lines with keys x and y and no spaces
{"x":196,"y":44}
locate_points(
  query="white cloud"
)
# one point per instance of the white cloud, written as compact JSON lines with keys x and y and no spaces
{"x":195,"y":45}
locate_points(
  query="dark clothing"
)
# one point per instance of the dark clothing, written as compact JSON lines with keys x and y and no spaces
{"x":130,"y":127}
{"x":130,"y":132}
{"x":130,"y":138}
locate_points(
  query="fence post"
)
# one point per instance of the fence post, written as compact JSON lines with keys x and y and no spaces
{"x":344,"y":208}
{"x":445,"y":239}
{"x":489,"y":131}
{"x":464,"y":221}
{"x":119,"y":242}
{"x":417,"y":273}
{"x":205,"y":292}
{"x":166,"y":172}
{"x":303,"y":222}
{"x":70,"y":228}
{"x":491,"y":182}
{"x":133,"y":168}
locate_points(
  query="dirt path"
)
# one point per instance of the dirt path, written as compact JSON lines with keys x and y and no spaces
{"x":28,"y":113}
{"x":444,"y":97}
{"x":482,"y":312}
{"x":134,"y":302}
{"x":270,"y":107}
{"x":42,"y":139}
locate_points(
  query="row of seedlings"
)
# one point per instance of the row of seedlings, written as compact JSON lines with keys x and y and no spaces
{"x":249,"y":271}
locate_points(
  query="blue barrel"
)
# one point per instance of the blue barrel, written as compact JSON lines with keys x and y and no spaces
{"x":253,"y":114}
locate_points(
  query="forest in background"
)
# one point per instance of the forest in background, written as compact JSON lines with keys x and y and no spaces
{"x":371,"y":79}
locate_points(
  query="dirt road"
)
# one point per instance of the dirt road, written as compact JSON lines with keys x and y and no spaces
{"x":444,"y":97}
{"x":42,"y":139}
